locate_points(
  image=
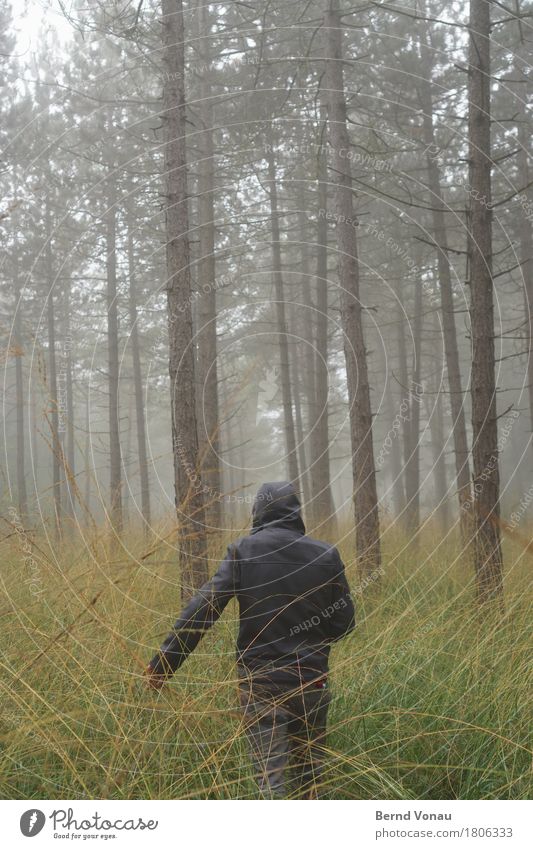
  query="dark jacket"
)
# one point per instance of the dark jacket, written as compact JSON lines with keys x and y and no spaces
{"x":294,"y":600}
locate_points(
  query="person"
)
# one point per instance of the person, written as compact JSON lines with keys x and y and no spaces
{"x":294,"y":602}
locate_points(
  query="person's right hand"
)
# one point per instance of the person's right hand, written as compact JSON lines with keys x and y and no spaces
{"x":154,"y":679}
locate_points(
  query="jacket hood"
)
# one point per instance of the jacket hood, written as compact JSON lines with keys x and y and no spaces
{"x":277,"y":504}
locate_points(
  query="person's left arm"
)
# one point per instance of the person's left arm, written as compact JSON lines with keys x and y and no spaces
{"x":195,"y":620}
{"x":343,"y":622}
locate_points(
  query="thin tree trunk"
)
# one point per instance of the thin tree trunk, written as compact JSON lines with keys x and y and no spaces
{"x":526,"y":265}
{"x":298,"y":421}
{"x":52,"y":376}
{"x":207,"y":377}
{"x":413,"y":400}
{"x":364,"y":477}
{"x":462,"y":466}
{"x":436,"y":423}
{"x":188,"y":488}
{"x":307,"y":316}
{"x":488,"y":555}
{"x":35,"y":426}
{"x":302,"y":321}
{"x":127,"y":461}
{"x":403,"y":408}
{"x":67,"y":435}
{"x":439,"y":464}
{"x":87,"y":455}
{"x":22,"y":495}
{"x":138,"y":384}
{"x":398,"y":483}
{"x":526,"y":231}
{"x":228,"y":442}
{"x":324,"y":509}
{"x":288,"y":419}
{"x":241,"y":445}
{"x":115,"y":459}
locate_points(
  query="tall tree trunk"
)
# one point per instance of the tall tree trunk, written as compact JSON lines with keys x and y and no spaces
{"x":207,"y":377}
{"x":127,"y":455}
{"x":115,"y":459}
{"x":402,"y":410}
{"x":87,"y":456}
{"x":302,"y":321}
{"x":22,"y":495}
{"x":364,"y":476}
{"x":138,"y":383}
{"x":35,"y":425}
{"x":526,"y":194}
{"x":324,"y":509}
{"x":435,"y":415}
{"x":462,"y":466}
{"x":288,"y":419}
{"x":488,"y":555}
{"x":413,"y":400}
{"x":398,"y":482}
{"x":52,"y":373}
{"x":439,"y":464}
{"x":67,"y":429}
{"x":188,"y":488}
{"x":296,"y":379}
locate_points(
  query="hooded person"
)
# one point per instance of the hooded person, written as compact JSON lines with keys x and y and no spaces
{"x":294,"y":602}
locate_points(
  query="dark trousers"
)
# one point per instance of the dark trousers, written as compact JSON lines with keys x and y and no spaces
{"x":286,"y":732}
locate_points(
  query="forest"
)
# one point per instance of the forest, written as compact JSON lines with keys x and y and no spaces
{"x":266,"y":241}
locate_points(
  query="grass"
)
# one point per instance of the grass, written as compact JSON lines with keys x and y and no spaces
{"x":430,"y":700}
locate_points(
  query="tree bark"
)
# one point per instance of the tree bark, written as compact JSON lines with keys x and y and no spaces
{"x":439,"y":464}
{"x":413,"y":400}
{"x":138,"y":384}
{"x":188,"y":487}
{"x":87,"y":456}
{"x":324,"y":509}
{"x":364,"y":477}
{"x":397,"y":483}
{"x":488,"y":555}
{"x":526,"y":231}
{"x":115,"y":458}
{"x":52,"y":376}
{"x":462,"y":466}
{"x":299,"y":427}
{"x":303,"y":322}
{"x":67,"y":435}
{"x":22,"y":495}
{"x":207,"y":377}
{"x":403,"y":377}
{"x":436,"y":422}
{"x":35,"y":435}
{"x":282,"y":330}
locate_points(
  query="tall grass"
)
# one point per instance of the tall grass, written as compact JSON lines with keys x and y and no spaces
{"x":430,"y":700}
